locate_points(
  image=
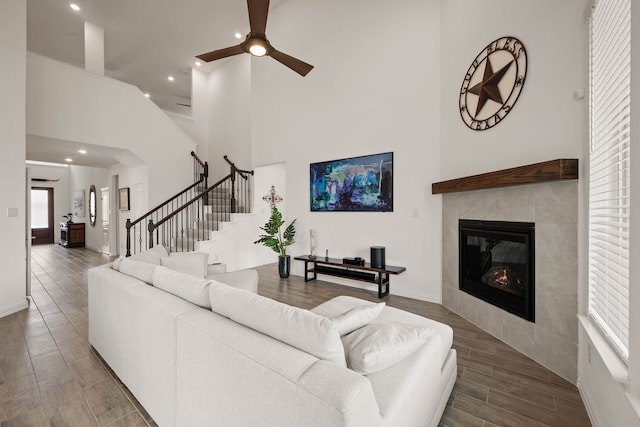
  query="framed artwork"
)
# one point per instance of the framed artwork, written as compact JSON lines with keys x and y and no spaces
{"x":123,"y":199}
{"x":355,"y":184}
{"x":78,"y":203}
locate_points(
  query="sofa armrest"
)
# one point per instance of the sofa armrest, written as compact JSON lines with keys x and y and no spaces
{"x":347,"y":393}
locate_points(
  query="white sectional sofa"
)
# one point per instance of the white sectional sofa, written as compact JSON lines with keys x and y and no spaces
{"x":258,"y":362}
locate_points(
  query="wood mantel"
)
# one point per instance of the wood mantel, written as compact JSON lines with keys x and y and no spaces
{"x":553,"y":170}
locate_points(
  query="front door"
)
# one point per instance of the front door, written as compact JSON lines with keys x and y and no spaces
{"x":42,"y":230}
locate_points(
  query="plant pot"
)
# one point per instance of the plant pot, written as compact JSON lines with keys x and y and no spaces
{"x":284,"y":266}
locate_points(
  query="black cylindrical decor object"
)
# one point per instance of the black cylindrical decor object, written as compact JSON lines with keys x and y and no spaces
{"x":377,"y":256}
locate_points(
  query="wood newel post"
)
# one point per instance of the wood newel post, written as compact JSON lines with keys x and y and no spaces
{"x":150,"y":228}
{"x":128,"y":225}
{"x":206,"y":174}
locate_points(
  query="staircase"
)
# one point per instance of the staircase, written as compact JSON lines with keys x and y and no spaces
{"x":190,"y":217}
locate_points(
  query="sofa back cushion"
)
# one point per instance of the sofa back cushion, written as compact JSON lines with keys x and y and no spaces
{"x":151,"y":256}
{"x":185,"y":286}
{"x":194,"y":263}
{"x":377,"y":346}
{"x":357,"y":317}
{"x":138,"y":269}
{"x":294,"y":326}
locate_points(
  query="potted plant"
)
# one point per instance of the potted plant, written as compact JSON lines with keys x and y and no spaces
{"x":278,"y":240}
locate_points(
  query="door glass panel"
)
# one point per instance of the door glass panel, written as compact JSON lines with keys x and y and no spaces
{"x":39,"y":209}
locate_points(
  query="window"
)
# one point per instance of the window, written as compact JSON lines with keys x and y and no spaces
{"x":39,"y":208}
{"x":609,"y":172}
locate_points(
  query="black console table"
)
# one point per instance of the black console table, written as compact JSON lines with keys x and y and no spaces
{"x":363,"y":273}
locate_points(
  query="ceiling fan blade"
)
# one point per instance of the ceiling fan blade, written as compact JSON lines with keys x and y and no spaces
{"x":296,"y":65}
{"x":258,"y":11}
{"x":221,"y":53}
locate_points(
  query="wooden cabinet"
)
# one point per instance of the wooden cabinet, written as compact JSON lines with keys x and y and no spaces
{"x":71,"y":235}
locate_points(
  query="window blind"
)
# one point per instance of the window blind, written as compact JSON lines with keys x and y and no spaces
{"x":609,"y":171}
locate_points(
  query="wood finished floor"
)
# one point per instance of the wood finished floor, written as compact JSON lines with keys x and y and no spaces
{"x":50,"y":376}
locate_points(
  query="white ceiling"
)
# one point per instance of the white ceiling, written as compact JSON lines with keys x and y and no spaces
{"x":145,"y":41}
{"x":53,"y":150}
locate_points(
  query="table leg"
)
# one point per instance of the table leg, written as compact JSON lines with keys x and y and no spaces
{"x":306,"y":272}
{"x":383,"y":285}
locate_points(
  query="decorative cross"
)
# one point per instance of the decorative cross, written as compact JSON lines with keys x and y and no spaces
{"x":272,"y":197}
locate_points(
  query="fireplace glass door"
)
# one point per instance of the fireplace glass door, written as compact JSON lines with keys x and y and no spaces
{"x":497,"y":264}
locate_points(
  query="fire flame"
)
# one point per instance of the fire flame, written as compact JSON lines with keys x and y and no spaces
{"x":500,"y":277}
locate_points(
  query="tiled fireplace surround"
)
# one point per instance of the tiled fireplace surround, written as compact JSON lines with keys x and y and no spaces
{"x":552,"y":339}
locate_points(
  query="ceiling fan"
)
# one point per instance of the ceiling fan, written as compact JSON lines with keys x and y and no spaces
{"x":256,"y":42}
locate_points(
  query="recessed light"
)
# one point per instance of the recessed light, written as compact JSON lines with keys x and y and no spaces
{"x":198,"y":63}
{"x":68,"y":159}
{"x":170,"y":78}
{"x":238,"y":35}
{"x":146,"y":95}
{"x":74,"y":7}
{"x":82,"y":151}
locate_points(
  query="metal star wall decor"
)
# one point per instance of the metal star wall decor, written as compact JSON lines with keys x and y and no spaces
{"x":272,"y":197}
{"x":486,"y":97}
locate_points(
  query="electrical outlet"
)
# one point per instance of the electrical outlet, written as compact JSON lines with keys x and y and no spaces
{"x":12,"y":212}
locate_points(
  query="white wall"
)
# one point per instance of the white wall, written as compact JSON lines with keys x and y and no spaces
{"x":229,"y":119}
{"x":133,"y":178}
{"x":82,"y":178}
{"x":547,"y":122}
{"x":374,"y":88}
{"x":13,"y":33}
{"x":61,"y":191}
{"x":68,"y":103}
{"x":201,"y":105}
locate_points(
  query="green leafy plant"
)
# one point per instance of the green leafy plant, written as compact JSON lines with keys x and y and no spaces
{"x":274,"y":237}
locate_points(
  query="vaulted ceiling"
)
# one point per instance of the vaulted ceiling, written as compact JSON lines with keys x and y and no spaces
{"x":145,"y":40}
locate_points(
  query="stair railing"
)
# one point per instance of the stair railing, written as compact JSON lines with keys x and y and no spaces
{"x":200,"y":169}
{"x":244,"y":192}
{"x":194,"y":219}
{"x":140,"y":226}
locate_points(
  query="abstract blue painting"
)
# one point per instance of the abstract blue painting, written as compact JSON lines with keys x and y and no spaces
{"x":355,"y":184}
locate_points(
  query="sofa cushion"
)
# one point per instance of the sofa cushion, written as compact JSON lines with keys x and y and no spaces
{"x":194,"y":263}
{"x":241,"y":279}
{"x":185,"y":286}
{"x":216,"y":268}
{"x":356,"y":318}
{"x":342,"y":303}
{"x":379,"y":345}
{"x":138,"y":269}
{"x":297,"y":327}
{"x":151,"y":256}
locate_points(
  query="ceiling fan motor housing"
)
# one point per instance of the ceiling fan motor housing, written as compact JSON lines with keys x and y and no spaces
{"x":256,"y":41}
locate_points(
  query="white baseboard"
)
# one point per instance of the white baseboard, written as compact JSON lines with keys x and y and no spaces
{"x":13,"y":309}
{"x":584,"y":393}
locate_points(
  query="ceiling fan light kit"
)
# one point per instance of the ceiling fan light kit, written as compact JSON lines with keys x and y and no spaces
{"x":256,"y":42}
{"x":257,"y":45}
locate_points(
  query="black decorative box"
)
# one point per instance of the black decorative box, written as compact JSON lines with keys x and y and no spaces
{"x":353,"y":261}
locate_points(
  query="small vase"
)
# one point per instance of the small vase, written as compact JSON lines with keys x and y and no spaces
{"x":284,"y":266}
